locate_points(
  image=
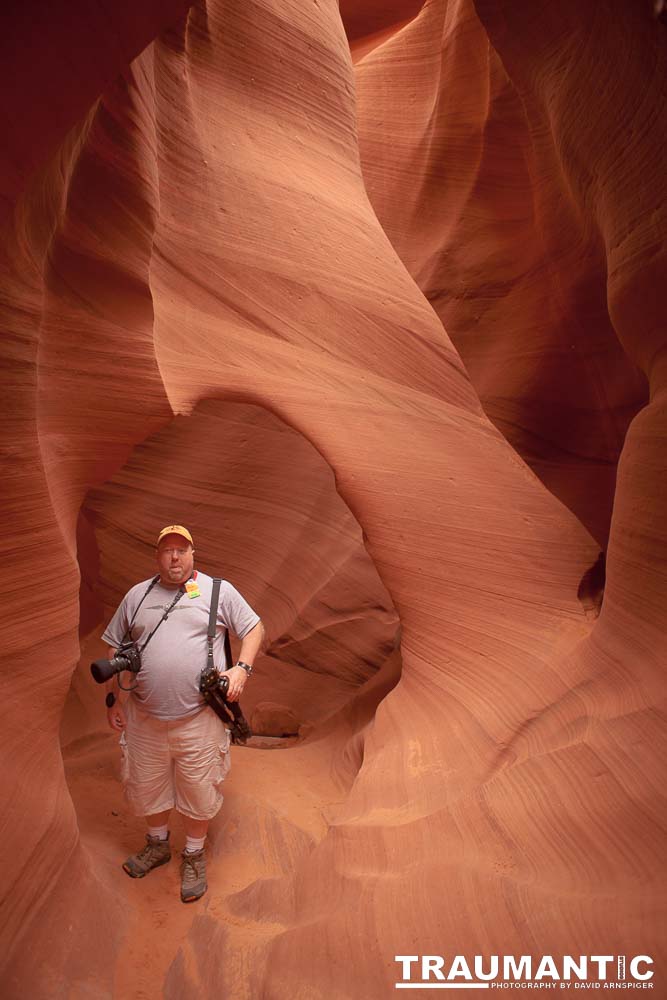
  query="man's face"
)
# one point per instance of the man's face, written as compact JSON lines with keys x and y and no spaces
{"x":175,"y":559}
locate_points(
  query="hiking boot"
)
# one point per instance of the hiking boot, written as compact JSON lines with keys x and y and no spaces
{"x":193,"y":876}
{"x":155,"y":853}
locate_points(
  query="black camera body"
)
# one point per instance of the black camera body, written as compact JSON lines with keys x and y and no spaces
{"x":211,"y":681}
{"x":128,"y":657}
{"x":214,"y":687}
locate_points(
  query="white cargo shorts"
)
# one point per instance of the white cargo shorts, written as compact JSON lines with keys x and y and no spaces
{"x":182,"y":762}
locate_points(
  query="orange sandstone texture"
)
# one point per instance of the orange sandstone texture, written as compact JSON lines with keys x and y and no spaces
{"x":469,"y":179}
{"x":56,"y":59}
{"x":224,"y":230}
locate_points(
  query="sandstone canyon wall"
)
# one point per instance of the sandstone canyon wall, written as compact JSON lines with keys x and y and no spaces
{"x":382,"y":317}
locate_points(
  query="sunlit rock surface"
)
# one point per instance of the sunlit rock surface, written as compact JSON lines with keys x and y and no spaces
{"x":427,"y":285}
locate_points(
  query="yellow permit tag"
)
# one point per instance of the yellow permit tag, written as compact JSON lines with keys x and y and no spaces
{"x":191,"y":589}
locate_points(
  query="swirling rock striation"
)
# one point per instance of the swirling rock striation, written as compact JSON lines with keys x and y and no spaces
{"x":230,"y":227}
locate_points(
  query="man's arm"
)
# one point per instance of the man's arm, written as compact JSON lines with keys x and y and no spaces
{"x":117,"y":627}
{"x":250,"y":647}
{"x":115,"y":714}
{"x":251,"y":644}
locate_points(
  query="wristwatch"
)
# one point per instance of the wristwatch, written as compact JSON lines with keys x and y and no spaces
{"x":110,"y":700}
{"x":245,"y":666}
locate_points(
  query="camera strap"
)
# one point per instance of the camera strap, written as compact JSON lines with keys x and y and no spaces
{"x":181,"y":592}
{"x":212,"y":622}
{"x":228,"y":711}
{"x":147,"y":591}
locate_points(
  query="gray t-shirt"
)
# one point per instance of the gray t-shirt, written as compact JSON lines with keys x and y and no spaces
{"x":168,"y":682}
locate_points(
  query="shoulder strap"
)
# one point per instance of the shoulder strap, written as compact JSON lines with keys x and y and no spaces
{"x":181,"y":592}
{"x":145,"y":595}
{"x":212,"y":622}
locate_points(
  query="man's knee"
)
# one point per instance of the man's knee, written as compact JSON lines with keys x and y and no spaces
{"x":198,"y":783}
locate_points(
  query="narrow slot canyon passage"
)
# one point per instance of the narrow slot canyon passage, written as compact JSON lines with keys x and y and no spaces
{"x":263,"y":509}
{"x":370,"y":297}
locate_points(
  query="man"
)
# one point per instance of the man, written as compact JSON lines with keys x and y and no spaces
{"x":175,"y":748}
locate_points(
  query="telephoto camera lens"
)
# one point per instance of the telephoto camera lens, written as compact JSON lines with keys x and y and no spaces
{"x":128,"y":657}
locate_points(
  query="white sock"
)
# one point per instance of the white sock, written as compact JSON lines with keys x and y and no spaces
{"x":159,"y":831}
{"x":193,"y":844}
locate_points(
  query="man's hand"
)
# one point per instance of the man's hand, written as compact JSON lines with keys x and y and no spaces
{"x":237,"y":678}
{"x":116,"y":717}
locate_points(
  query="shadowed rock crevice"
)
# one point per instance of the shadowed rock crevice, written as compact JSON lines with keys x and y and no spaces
{"x":516,"y":275}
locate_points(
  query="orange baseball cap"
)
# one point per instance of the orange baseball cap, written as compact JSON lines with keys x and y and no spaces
{"x":175,"y":529}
